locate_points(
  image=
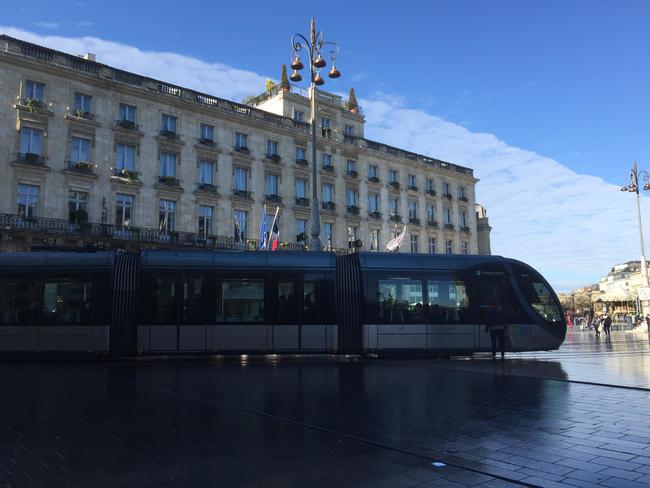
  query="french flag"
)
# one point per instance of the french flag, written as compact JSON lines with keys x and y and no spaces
{"x":275,"y":233}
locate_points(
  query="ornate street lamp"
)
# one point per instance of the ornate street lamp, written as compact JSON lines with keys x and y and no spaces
{"x":633,"y":187}
{"x":314,"y":50}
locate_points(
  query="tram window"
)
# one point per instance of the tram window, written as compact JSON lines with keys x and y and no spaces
{"x":67,"y":301}
{"x":313,"y":311}
{"x":448,"y":301}
{"x":164,"y":300}
{"x":400,"y":301}
{"x":194,"y":293}
{"x":538,"y":295}
{"x":287,"y":312}
{"x":19,"y":301}
{"x":240,"y":300}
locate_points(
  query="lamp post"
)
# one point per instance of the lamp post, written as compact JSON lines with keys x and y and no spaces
{"x":633,"y":187}
{"x":314,"y":49}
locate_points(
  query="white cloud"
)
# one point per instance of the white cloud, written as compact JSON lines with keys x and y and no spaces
{"x":572,"y":227}
{"x":47,"y":25}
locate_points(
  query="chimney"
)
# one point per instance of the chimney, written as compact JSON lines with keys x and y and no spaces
{"x":89,"y":57}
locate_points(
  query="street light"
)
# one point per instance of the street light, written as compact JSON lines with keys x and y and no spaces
{"x":314,"y":50}
{"x":633,"y":187}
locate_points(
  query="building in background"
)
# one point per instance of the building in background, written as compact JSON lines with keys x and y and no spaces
{"x":483,"y":230}
{"x":90,"y":154}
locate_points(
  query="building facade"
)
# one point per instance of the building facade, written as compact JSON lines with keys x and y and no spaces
{"x":91,"y":154}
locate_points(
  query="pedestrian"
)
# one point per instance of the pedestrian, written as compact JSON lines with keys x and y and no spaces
{"x":607,"y":325}
{"x":495,"y":324}
{"x":597,"y":327}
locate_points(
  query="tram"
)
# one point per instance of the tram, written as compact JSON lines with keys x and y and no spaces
{"x":238,"y":302}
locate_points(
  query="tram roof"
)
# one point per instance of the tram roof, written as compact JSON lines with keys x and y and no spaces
{"x":57,"y":259}
{"x":374,"y":260}
{"x":236,"y":259}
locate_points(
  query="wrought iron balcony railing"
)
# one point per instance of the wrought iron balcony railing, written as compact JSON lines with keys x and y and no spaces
{"x":302,"y":162}
{"x":396,"y":218}
{"x":329,"y":206}
{"x":414,"y":221}
{"x":30,"y":158}
{"x":84,"y":167}
{"x":373,"y":179}
{"x":375,"y":215}
{"x":169,"y":180}
{"x":353,"y":210}
{"x":126,"y":124}
{"x":302,"y":202}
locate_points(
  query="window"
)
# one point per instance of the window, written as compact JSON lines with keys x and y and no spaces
{"x":298,"y":115}
{"x":314,"y":305}
{"x":125,"y":158}
{"x":374,"y":240}
{"x":166,"y":216}
{"x":352,"y":233}
{"x":31,"y":141}
{"x":447,"y":215}
{"x":448,"y":247}
{"x":372,"y":171}
{"x":432,"y":245}
{"x":82,"y":103}
{"x":463,"y":247}
{"x":34,"y":91}
{"x":351,"y":197}
{"x":241,"y":217}
{"x":80,"y":150}
{"x":414,"y":243}
{"x":373,"y":202}
{"x":413,"y":209}
{"x":328,"y":193}
{"x":168,"y":123}
{"x":205,"y":221}
{"x":301,"y":188}
{"x":351,"y":166}
{"x":206,"y":172}
{"x":300,"y":154}
{"x":195,"y":300}
{"x":67,"y":301}
{"x":123,"y":210}
{"x":287,"y":304}
{"x":207,"y":132}
{"x":271,"y":148}
{"x":301,"y":228}
{"x":164,"y":306}
{"x":463,"y":218}
{"x":430,"y":184}
{"x":348,"y":130}
{"x":19,"y":301}
{"x":400,"y":301}
{"x":325,"y":123}
{"x":167,"y":164}
{"x":538,"y":295}
{"x":127,"y":112}
{"x":327,"y":160}
{"x":240,"y":300}
{"x":394,"y":206}
{"x":77,"y":203}
{"x":328,"y":236}
{"x":412,"y":180}
{"x":241,"y":140}
{"x":461,"y":192}
{"x":447,"y":192}
{"x":272,"y":184}
{"x":241,"y":179}
{"x":448,"y":300}
{"x":27,"y":199}
{"x":392,"y":176}
{"x":431,"y":213}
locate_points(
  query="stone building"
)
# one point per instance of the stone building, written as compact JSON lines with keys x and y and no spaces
{"x":483,"y":230}
{"x":90,"y":154}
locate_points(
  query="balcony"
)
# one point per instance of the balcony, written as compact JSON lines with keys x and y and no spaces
{"x":274,"y":158}
{"x":126,"y":174}
{"x":83,"y":167}
{"x":127,"y":124}
{"x":353,"y":210}
{"x":169,"y":181}
{"x":204,"y":141}
{"x":349,"y":139}
{"x":375,"y":215}
{"x":352,"y":173}
{"x":242,"y":149}
{"x":273,"y":197}
{"x":33,"y":105}
{"x":414,"y":221}
{"x":465,"y":229}
{"x":301,"y":238}
{"x":373,"y":179}
{"x":172,"y":135}
{"x":326,"y":132}
{"x":463,"y":199}
{"x":449,"y":226}
{"x":331,"y":206}
{"x":329,"y":168}
{"x":298,"y":124}
{"x":208,"y":188}
{"x":431,"y":192}
{"x":432,"y":223}
{"x":395,"y":218}
{"x":245,"y":194}
{"x":302,"y":162}
{"x":82,"y":114}
{"x":30,"y":158}
{"x":302,"y":202}
{"x":412,"y":188}
{"x":394,"y":185}
{"x":448,"y":196}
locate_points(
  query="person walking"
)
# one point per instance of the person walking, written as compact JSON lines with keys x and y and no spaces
{"x":607,"y":326}
{"x":495,"y":324}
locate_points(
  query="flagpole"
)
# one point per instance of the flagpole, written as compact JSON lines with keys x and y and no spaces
{"x":275,"y":217}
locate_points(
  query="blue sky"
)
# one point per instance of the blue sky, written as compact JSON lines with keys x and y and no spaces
{"x":549,"y":101}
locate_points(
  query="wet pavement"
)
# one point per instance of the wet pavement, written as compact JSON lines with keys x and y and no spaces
{"x":573,"y":417}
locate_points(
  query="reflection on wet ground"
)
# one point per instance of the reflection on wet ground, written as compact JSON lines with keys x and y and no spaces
{"x":333,"y":422}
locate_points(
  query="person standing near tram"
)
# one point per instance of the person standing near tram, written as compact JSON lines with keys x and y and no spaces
{"x":495,"y":324}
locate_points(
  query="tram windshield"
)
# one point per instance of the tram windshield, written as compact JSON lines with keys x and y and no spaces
{"x":538,"y":294}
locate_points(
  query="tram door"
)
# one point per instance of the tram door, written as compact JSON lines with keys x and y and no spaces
{"x":491,"y":289}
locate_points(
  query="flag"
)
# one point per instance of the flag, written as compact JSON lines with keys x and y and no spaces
{"x":238,"y":236}
{"x":396,"y":241}
{"x":275,"y":233}
{"x":263,"y":230}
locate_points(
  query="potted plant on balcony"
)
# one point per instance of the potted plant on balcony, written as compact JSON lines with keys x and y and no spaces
{"x":302,"y":162}
{"x":242,"y":149}
{"x":274,"y":158}
{"x":353,"y":210}
{"x":302,"y":201}
{"x":302,"y":237}
{"x":82,"y":114}
{"x":32,"y":158}
{"x":168,"y":180}
{"x":394,"y":185}
{"x":83,"y":166}
{"x":33,"y":104}
{"x":373,"y":179}
{"x":329,"y":205}
{"x":126,"y":124}
{"x":375,"y":215}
